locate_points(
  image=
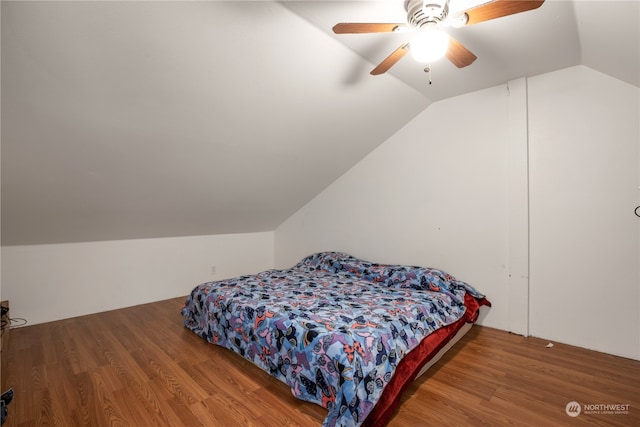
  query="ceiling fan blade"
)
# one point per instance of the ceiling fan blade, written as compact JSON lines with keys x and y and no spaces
{"x":499,"y":8}
{"x":359,"y":28}
{"x":459,"y":55}
{"x":391,"y":60}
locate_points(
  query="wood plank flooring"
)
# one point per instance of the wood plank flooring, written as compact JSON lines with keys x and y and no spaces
{"x":140,"y":367}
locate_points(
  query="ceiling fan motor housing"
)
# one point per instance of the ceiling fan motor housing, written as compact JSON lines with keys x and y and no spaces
{"x":422,"y":13}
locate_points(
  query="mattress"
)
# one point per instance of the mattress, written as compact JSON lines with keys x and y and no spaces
{"x":342,"y":332}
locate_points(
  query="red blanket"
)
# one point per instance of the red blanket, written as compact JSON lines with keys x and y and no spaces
{"x":413,"y":362}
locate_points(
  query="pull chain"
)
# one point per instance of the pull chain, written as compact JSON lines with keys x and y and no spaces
{"x":427,"y":70}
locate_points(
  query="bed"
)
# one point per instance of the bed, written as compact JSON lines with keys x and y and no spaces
{"x":344,"y":333}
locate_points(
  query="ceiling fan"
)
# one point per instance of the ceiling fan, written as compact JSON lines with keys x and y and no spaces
{"x":428,"y":17}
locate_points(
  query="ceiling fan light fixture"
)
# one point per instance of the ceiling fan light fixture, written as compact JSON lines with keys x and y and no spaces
{"x":429,"y":45}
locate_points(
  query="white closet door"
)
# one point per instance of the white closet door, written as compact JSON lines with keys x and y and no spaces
{"x":584,"y":169}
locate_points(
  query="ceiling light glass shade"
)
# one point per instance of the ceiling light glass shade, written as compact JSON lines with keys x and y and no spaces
{"x":429,"y":45}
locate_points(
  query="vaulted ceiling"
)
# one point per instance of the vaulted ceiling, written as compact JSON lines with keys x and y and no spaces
{"x":132,"y":119}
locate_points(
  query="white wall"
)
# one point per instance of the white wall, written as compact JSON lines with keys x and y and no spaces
{"x":446,"y":191}
{"x":584,"y":149}
{"x":51,"y":282}
{"x":434,"y":194}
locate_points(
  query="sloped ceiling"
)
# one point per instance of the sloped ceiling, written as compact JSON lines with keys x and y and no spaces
{"x":604,"y":35}
{"x":156,"y":119}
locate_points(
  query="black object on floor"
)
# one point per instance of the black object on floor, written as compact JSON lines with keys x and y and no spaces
{"x":5,"y":399}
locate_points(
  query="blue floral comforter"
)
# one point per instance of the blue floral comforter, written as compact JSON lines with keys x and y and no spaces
{"x":333,"y":327}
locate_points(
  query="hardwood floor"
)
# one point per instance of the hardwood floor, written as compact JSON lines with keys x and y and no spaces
{"x":140,"y":367}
